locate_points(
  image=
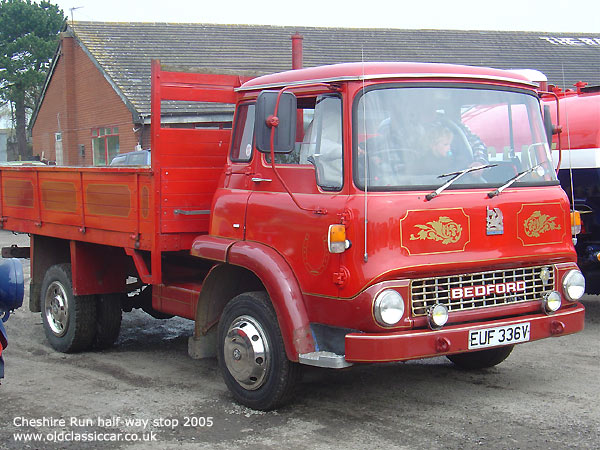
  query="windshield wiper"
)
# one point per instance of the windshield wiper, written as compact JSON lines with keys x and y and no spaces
{"x":455,"y":176}
{"x":513,"y":180}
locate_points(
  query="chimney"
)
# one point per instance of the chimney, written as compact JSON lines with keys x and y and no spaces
{"x":297,"y":60}
{"x":66,"y":150}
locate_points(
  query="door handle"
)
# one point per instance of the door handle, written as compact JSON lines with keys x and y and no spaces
{"x":191,"y":213}
{"x":258,"y":179}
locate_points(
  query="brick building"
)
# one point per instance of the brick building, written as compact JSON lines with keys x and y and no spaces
{"x":96,"y":99}
{"x":81,"y":111}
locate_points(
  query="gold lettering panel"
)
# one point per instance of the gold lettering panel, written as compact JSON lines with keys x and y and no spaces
{"x":429,"y":231}
{"x":541,"y":224}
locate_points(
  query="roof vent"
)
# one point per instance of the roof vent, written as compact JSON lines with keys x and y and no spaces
{"x":535,"y":76}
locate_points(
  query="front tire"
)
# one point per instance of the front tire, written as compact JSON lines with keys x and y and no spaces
{"x":69,"y":320}
{"x":481,"y":359}
{"x":252,"y":355}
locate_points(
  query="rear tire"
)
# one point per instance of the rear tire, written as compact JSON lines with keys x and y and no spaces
{"x":252,"y":355}
{"x":108,"y":320}
{"x":481,"y":359}
{"x":69,"y":320}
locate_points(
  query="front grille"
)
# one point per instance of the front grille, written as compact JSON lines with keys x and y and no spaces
{"x":426,"y":292}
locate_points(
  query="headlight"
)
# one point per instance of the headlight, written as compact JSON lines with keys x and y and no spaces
{"x":438,"y":316}
{"x":388,"y":307}
{"x":551,"y":302}
{"x":574,"y":285}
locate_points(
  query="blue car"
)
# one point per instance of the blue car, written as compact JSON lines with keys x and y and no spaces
{"x":11,"y":297}
{"x":137,"y":158}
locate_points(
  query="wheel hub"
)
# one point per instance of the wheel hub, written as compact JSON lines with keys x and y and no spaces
{"x":55,"y":307}
{"x":246,"y":352}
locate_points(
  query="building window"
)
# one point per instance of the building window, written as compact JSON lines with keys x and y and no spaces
{"x":105,"y":145}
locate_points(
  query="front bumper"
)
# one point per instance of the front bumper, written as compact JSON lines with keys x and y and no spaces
{"x":417,"y":344}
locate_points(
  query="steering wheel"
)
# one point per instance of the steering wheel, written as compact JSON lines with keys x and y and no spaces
{"x":466,"y":145}
{"x":464,"y":153}
{"x":392,"y":162}
{"x":399,"y":155}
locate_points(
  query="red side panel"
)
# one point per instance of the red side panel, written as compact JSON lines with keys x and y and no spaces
{"x":199,"y":87}
{"x":191,"y":163}
{"x":180,"y":300}
{"x":105,"y":206}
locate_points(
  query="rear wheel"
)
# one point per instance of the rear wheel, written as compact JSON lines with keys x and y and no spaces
{"x":69,"y":320}
{"x":481,"y":359}
{"x":108,"y":320}
{"x":252,"y":355}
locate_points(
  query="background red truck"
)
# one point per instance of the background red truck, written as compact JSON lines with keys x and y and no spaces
{"x":579,"y":173}
{"x":323,"y":229}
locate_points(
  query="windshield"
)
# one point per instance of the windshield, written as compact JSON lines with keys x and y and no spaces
{"x":413,"y":136}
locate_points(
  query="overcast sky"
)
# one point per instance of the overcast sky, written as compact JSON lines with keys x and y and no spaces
{"x":524,"y":15}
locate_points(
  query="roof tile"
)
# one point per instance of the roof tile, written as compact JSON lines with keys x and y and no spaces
{"x":124,"y":50}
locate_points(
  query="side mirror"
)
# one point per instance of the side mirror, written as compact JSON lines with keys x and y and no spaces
{"x":548,"y":124}
{"x":284,"y":140}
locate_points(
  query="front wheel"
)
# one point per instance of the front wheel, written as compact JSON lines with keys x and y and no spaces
{"x":252,"y":355}
{"x":69,"y":320}
{"x":481,"y":359}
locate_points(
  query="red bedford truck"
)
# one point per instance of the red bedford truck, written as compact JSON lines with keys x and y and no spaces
{"x":356,"y":213}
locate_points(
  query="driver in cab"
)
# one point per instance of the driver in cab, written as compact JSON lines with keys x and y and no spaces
{"x":422,"y":140}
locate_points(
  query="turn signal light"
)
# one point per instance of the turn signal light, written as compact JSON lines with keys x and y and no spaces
{"x":575,"y":222}
{"x":336,"y":239}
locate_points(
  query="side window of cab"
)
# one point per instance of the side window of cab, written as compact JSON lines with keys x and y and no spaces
{"x":319,"y":142}
{"x":322,"y":144}
{"x":243,"y":133}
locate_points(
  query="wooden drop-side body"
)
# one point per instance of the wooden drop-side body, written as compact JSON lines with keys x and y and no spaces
{"x":98,"y":217}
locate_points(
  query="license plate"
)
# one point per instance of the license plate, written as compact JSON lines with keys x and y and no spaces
{"x":491,"y":337}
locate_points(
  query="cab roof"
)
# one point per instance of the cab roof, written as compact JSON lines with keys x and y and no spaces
{"x":382,"y":70}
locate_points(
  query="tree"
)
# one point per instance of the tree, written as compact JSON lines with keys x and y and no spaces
{"x":28,"y":40}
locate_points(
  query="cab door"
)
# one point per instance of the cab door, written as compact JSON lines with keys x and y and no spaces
{"x":296,"y":225}
{"x":229,"y":205}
